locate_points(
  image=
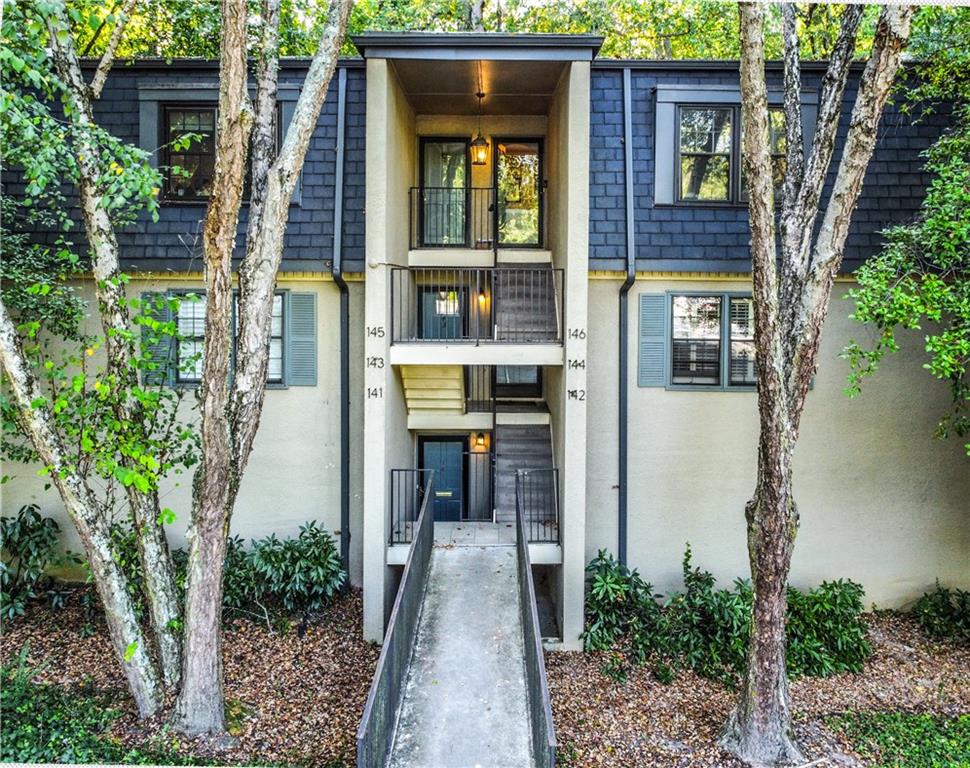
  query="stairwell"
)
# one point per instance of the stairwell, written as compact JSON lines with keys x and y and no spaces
{"x":526,"y":446}
{"x":525,"y":308}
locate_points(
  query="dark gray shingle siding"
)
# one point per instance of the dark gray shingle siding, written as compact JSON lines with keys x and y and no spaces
{"x":683,"y":238}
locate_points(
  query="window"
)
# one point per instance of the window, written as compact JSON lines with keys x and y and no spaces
{"x":709,"y":153}
{"x":189,"y":348}
{"x":196,"y":162}
{"x":696,"y":339}
{"x":710,"y":335}
{"x":705,"y":153}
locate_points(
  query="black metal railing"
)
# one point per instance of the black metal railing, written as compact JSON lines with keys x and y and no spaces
{"x":512,"y":305}
{"x":375,"y":733}
{"x":479,"y":485}
{"x":450,"y":217}
{"x":540,"y":705}
{"x":537,"y":499}
{"x":409,"y":493}
{"x":479,"y":389}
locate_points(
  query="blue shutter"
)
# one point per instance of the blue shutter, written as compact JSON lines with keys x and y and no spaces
{"x":652,"y":340}
{"x":300,"y":354}
{"x":160,"y":346}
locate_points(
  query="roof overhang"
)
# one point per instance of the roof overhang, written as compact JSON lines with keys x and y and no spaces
{"x":477,"y":46}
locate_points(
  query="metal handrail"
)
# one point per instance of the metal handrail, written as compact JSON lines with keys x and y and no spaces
{"x":480,"y":305}
{"x":537,"y":495}
{"x":409,"y":491}
{"x":375,"y":733}
{"x":540,"y":704}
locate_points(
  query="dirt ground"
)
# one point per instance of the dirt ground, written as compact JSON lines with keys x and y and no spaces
{"x":293,"y":697}
{"x":643,"y":723}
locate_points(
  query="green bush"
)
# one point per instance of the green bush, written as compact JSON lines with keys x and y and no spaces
{"x":706,"y":629}
{"x":944,"y":613}
{"x":49,"y":724}
{"x":904,"y":740}
{"x":30,"y":547}
{"x":296,"y":575}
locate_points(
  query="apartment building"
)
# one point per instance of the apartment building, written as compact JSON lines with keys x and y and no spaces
{"x":516,"y":276}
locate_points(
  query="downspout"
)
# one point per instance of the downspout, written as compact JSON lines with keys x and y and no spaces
{"x":336,"y":270}
{"x":631,"y":273}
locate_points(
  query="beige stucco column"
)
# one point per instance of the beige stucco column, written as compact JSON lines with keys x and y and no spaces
{"x":387,"y":442}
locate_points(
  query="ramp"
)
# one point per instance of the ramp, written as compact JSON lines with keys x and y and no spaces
{"x":465,"y":701}
{"x":460,"y":681}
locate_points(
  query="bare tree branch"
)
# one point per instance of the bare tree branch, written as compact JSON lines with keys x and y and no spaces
{"x":107,"y":59}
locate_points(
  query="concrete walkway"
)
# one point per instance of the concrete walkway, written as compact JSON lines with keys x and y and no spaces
{"x":465,"y":702}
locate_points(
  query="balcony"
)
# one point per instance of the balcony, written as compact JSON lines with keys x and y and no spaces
{"x":476,"y":306}
{"x":477,"y":218}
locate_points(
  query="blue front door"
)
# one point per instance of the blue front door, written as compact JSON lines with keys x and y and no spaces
{"x":441,"y":315}
{"x":446,"y":458}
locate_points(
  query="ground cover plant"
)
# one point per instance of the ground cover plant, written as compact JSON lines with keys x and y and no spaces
{"x":706,"y":629}
{"x":906,"y":740}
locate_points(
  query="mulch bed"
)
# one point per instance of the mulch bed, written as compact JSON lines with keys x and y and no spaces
{"x":644,"y":723}
{"x":293,"y":697}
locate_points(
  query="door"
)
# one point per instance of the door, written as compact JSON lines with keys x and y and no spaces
{"x":441,"y":315}
{"x":446,"y":456}
{"x":444,"y":192}
{"x":518,"y":184}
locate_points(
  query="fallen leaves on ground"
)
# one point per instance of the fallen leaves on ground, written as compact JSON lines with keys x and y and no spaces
{"x":643,"y":723}
{"x":294,"y":697}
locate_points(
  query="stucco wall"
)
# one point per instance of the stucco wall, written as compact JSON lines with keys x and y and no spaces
{"x":882,"y":501}
{"x":294,"y":473}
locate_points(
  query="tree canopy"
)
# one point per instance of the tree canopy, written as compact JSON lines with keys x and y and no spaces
{"x":659,"y":29}
{"x":921,"y":280}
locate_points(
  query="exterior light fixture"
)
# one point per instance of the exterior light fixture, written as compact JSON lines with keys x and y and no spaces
{"x":482,"y":298}
{"x":480,"y":439}
{"x":479,"y":145}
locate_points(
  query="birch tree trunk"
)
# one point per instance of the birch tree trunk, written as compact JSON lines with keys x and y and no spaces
{"x":231,"y":413}
{"x":162,"y":596}
{"x":90,"y":519}
{"x":200,"y":707}
{"x":789,"y":311}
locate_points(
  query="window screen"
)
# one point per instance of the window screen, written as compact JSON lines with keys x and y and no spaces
{"x":696,"y":340}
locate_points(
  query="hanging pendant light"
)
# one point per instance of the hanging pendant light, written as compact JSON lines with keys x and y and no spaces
{"x":479,"y":145}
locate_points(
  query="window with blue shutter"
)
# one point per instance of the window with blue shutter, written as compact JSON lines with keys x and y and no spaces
{"x":156,"y":345}
{"x":652,"y":341}
{"x":300,"y":355}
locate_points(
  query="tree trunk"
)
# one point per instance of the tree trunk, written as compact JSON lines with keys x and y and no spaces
{"x":475,"y":14}
{"x":230,"y":418}
{"x":788,"y":317}
{"x":89,"y":518}
{"x":161,"y":592}
{"x":200,"y":708}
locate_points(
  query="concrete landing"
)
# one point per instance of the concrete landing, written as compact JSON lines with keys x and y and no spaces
{"x":465,"y":701}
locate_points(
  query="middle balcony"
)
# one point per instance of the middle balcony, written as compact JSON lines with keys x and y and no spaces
{"x":513,"y":312}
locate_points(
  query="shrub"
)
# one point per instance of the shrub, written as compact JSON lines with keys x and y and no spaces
{"x":944,"y":613}
{"x":826,"y":633}
{"x":291,"y":575}
{"x":706,"y":628}
{"x":905,"y":740}
{"x":30,"y":547}
{"x":48,"y":724}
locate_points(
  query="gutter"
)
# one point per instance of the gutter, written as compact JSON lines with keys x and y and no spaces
{"x":624,"y":362}
{"x":336,"y":271}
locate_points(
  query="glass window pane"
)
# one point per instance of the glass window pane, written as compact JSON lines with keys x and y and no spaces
{"x":704,"y":177}
{"x":742,"y":364}
{"x":705,"y":129}
{"x":696,"y":353}
{"x":742,"y":318}
{"x":776,"y":131}
{"x":275,"y":369}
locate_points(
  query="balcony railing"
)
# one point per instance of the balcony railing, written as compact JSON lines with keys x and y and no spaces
{"x":448,"y":217}
{"x":537,"y":501}
{"x":511,"y":305}
{"x":410,"y":491}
